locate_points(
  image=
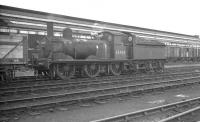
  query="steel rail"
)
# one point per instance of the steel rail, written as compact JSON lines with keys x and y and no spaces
{"x":180,"y":115}
{"x":72,"y":85}
{"x":140,"y":113}
{"x":40,"y":81}
{"x":92,"y":94}
{"x":34,"y":82}
{"x":82,"y":91}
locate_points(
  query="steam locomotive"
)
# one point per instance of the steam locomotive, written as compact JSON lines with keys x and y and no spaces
{"x":110,"y":54}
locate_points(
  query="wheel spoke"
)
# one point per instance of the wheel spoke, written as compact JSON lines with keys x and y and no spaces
{"x":116,"y":68}
{"x":92,"y":70}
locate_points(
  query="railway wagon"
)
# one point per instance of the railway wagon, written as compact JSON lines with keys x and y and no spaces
{"x":182,"y":53}
{"x":12,"y":54}
{"x":173,"y":53}
{"x":195,"y":54}
{"x":198,"y":53}
{"x":112,"y":54}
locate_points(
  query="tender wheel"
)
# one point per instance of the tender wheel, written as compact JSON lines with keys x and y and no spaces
{"x":115,"y":68}
{"x":92,"y":70}
{"x":149,"y":67}
{"x":158,"y":66}
{"x":161,"y":66}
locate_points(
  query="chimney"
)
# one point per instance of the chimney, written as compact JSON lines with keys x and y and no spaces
{"x":67,"y":33}
{"x":50,"y":29}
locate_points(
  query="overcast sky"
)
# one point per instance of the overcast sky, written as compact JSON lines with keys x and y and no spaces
{"x":181,"y":16}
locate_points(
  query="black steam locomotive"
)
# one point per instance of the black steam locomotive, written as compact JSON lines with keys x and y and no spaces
{"x":111,"y":54}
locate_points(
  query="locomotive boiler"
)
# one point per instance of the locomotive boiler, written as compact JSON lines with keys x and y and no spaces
{"x":112,"y":54}
{"x":69,"y":48}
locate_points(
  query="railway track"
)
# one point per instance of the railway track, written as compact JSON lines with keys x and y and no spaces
{"x":33,"y":80}
{"x":71,"y":96}
{"x":191,"y":115}
{"x":37,"y":88}
{"x":173,"y":112}
{"x":24,"y":79}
